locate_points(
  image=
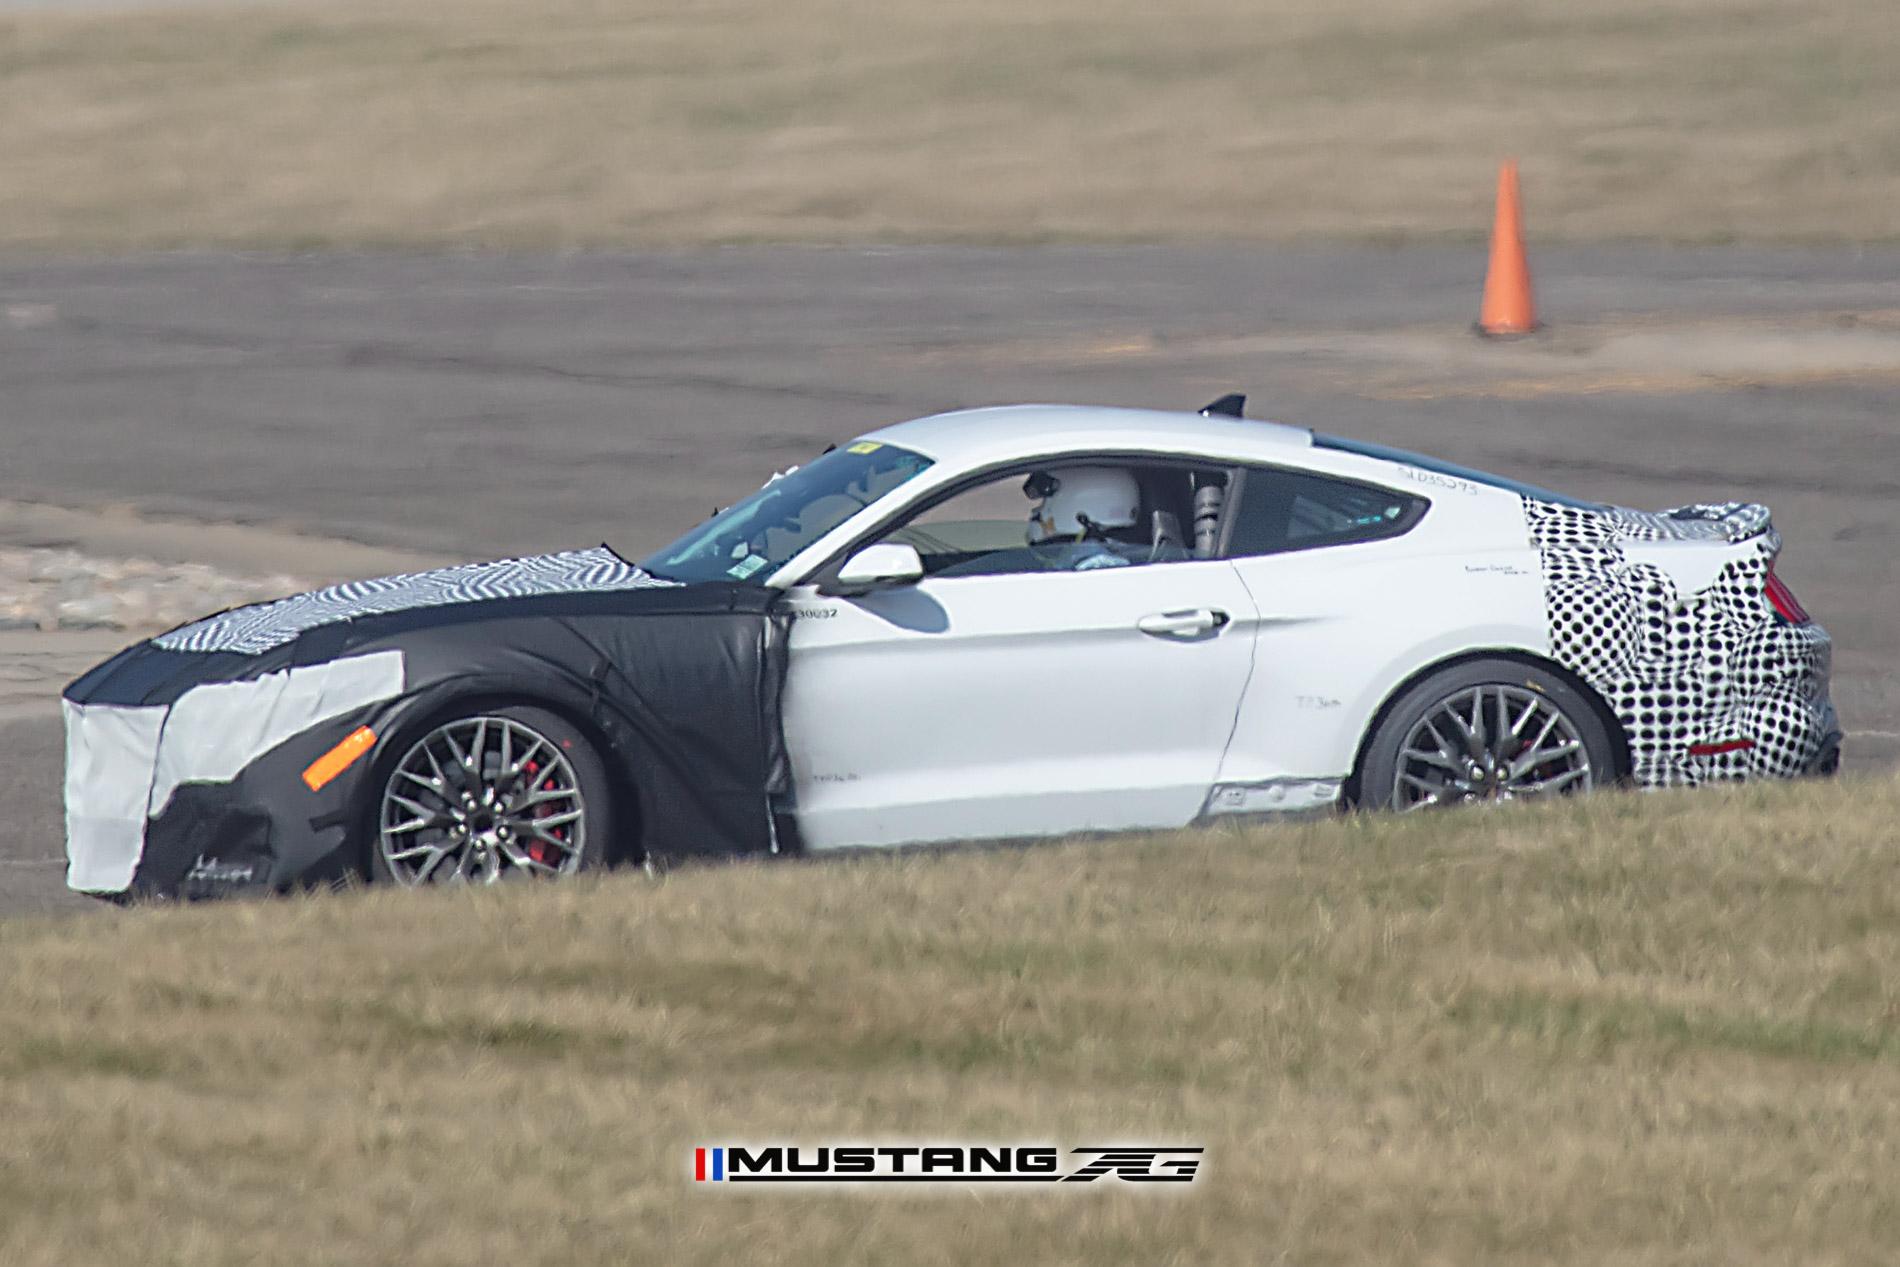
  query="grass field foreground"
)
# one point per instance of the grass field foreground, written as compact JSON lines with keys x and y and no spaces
{"x":1641,"y":1029}
{"x":489,"y":122}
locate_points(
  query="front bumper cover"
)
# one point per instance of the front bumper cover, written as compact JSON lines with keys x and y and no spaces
{"x":159,"y":795}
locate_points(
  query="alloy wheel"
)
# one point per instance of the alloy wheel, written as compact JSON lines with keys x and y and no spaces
{"x":1490,"y":743}
{"x":478,"y":799}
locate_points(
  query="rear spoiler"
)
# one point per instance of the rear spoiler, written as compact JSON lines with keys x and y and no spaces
{"x":1706,"y":521}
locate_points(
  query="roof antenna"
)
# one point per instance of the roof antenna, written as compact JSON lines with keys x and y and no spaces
{"x":1229,"y":406}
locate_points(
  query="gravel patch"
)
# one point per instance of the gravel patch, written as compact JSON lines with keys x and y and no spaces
{"x":50,"y":589}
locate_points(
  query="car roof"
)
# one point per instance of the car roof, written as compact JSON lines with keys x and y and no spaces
{"x":975,"y":437}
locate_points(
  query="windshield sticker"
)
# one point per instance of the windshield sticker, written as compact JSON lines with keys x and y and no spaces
{"x":865,"y":446}
{"x":747,"y":566}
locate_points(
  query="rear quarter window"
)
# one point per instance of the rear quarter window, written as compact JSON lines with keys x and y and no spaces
{"x":1281,"y":510}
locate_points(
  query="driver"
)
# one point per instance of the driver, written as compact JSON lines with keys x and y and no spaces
{"x":1083,"y":517}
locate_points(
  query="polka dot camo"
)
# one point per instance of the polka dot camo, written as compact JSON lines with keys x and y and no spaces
{"x":1681,"y":670}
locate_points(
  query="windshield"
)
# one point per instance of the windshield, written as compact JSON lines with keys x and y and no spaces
{"x":753,"y":539}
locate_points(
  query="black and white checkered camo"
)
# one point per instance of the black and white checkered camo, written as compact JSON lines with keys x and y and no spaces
{"x":1684,"y":669}
{"x":261,"y":627}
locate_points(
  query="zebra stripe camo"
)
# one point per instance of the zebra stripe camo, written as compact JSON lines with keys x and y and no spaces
{"x":252,"y":630}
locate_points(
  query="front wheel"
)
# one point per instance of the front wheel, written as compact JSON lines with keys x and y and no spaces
{"x":504,"y":792}
{"x":1489,"y":730}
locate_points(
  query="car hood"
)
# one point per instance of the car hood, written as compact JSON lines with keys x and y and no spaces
{"x":263,"y":627}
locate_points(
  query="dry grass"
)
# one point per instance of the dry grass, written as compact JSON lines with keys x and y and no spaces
{"x":1643,"y":1030}
{"x":494,"y":122}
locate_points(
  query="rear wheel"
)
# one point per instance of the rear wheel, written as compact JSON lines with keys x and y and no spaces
{"x":1489,"y":730}
{"x":501,"y":793}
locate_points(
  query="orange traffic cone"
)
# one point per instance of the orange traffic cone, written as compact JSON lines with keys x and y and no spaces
{"x":1508,"y":306}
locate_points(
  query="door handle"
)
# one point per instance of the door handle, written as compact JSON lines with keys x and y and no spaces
{"x":1182,"y":624}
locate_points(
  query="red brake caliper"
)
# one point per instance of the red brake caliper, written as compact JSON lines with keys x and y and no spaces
{"x":538,"y":849}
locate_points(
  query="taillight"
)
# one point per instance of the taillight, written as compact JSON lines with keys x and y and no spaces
{"x":1782,"y":599}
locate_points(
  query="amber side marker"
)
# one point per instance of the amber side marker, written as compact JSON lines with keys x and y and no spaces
{"x":338,"y":759}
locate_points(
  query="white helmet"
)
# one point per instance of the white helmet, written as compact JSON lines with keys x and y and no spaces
{"x":1104,"y":496}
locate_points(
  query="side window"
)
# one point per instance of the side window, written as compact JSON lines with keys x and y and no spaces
{"x":1294,"y":510}
{"x":977,"y":522}
{"x":1074,"y":515}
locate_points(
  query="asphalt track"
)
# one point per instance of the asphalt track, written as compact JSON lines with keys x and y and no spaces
{"x":471,"y":406}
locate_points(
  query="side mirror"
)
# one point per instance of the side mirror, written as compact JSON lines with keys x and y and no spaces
{"x":878,"y":567}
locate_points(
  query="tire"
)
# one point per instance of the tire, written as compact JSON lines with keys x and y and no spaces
{"x":528,"y":797}
{"x":1508,"y":706}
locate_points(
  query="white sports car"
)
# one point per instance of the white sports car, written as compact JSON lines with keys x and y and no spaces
{"x":993,"y":623}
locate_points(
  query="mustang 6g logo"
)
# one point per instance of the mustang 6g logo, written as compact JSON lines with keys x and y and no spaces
{"x":943,"y":1163}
